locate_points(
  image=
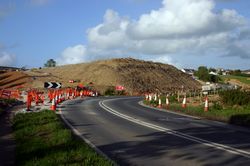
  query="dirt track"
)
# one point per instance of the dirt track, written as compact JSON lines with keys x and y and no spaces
{"x":7,"y":141}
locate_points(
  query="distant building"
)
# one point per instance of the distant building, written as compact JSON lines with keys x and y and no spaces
{"x":5,"y":68}
{"x":213,"y":73}
{"x":188,"y":71}
{"x":221,"y":71}
{"x":246,"y":71}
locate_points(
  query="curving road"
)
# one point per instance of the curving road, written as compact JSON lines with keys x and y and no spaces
{"x":132,"y":134}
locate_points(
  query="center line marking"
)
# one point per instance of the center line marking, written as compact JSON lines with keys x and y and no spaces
{"x":175,"y":133}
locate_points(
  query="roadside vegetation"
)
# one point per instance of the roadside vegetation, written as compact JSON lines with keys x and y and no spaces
{"x":243,"y":79}
{"x":232,"y":106}
{"x":203,"y":74}
{"x":112,"y":92}
{"x":43,"y":140}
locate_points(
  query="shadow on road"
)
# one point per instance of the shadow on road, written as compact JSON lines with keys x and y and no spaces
{"x":171,"y":149}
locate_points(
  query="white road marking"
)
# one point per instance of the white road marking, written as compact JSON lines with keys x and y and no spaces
{"x":82,"y":137}
{"x":175,"y":133}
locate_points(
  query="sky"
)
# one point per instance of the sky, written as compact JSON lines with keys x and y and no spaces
{"x":183,"y":33}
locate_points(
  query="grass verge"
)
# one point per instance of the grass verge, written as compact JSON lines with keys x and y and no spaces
{"x":242,"y":79}
{"x":42,"y":140}
{"x":232,"y":115}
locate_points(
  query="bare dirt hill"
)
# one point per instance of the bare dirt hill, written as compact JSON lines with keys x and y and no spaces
{"x":136,"y":76}
{"x":14,"y":79}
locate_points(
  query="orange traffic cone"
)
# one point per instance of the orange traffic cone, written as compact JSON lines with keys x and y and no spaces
{"x":206,"y":105}
{"x":184,"y":102}
{"x":53,"y":105}
{"x":29,"y":100}
{"x":159,"y":104}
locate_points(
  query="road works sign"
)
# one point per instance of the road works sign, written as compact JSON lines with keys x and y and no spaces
{"x":52,"y":85}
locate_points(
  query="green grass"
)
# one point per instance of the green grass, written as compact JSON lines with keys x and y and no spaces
{"x":242,"y":79}
{"x":42,"y":140}
{"x":233,"y":115}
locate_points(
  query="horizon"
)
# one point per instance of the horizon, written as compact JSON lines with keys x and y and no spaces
{"x":208,"y":67}
{"x":165,"y":31}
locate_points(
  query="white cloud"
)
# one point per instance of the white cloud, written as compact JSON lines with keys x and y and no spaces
{"x":71,"y":55}
{"x":7,"y":59}
{"x":184,"y":18}
{"x":183,"y":27}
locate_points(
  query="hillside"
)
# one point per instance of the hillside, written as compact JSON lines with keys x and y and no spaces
{"x":14,"y":79}
{"x":136,"y":76}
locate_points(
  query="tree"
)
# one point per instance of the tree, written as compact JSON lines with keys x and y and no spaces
{"x":50,"y":63}
{"x":203,"y":74}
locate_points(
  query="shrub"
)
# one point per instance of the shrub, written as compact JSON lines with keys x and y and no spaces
{"x":217,"y":106}
{"x":122,"y":93}
{"x":110,"y":91}
{"x":235,"y":97}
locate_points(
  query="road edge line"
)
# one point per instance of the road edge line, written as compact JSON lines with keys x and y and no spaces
{"x":76,"y":132}
{"x":216,"y":123}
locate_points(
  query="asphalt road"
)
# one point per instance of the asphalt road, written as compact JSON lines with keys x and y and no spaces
{"x":132,"y":134}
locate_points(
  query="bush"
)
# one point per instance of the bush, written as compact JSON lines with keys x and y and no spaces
{"x":110,"y":92}
{"x":121,"y":93}
{"x":217,"y":106}
{"x":235,"y":97}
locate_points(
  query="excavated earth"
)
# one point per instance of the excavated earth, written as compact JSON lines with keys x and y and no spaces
{"x":137,"y":76}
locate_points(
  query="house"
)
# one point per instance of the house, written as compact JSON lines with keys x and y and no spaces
{"x":221,"y":71}
{"x":188,"y":71}
{"x":246,"y":71}
{"x":213,"y":73}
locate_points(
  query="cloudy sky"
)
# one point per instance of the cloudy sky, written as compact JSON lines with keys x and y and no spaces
{"x":184,"y":33}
